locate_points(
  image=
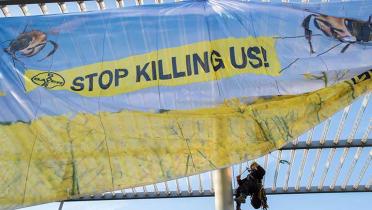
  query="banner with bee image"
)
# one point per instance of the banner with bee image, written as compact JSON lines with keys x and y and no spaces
{"x":100,"y":101}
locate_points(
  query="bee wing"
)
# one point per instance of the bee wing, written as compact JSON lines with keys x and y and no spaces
{"x":20,"y":43}
{"x":67,"y":26}
{"x":33,"y":51}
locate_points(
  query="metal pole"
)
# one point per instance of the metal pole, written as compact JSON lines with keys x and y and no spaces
{"x":223,"y":198}
{"x":60,"y":205}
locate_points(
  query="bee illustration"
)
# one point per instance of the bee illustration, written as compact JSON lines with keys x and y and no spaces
{"x":345,"y":30}
{"x":29,"y":44}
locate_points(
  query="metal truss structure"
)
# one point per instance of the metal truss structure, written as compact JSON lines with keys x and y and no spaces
{"x":300,"y":167}
{"x":300,"y":147}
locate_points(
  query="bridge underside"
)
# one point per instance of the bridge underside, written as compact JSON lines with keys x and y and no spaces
{"x":155,"y":191}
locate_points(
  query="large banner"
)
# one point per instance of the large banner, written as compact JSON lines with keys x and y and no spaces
{"x":99,"y":101}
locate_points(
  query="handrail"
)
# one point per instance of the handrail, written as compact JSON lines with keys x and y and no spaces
{"x":22,"y":2}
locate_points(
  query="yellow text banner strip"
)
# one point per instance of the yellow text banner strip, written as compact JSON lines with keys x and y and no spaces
{"x":187,"y":64}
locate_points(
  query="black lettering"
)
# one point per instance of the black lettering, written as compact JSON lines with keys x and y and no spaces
{"x":161,"y":74}
{"x":77,"y":84}
{"x":120,"y":73}
{"x":174,"y":68}
{"x":233,"y":60}
{"x":100,"y":79}
{"x":154,"y":73}
{"x":188,"y":65}
{"x":362,"y":77}
{"x":216,"y":58}
{"x":264,"y":54}
{"x":252,"y":53}
{"x":90,"y":81}
{"x":142,"y":72}
{"x":203,"y":63}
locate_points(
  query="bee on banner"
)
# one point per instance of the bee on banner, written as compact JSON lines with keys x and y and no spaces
{"x":346,"y":30}
{"x":29,"y":44}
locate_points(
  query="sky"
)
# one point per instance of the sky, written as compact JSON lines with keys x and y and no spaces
{"x":329,"y":201}
{"x":334,"y":201}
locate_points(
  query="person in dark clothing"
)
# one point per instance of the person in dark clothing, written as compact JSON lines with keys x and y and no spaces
{"x":251,"y":185}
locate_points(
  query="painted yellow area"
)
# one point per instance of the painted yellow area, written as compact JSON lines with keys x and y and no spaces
{"x":2,"y":93}
{"x":55,"y":158}
{"x":252,"y":49}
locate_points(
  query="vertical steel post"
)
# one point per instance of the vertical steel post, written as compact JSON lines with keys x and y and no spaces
{"x":223,"y":197}
{"x":61,"y":205}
